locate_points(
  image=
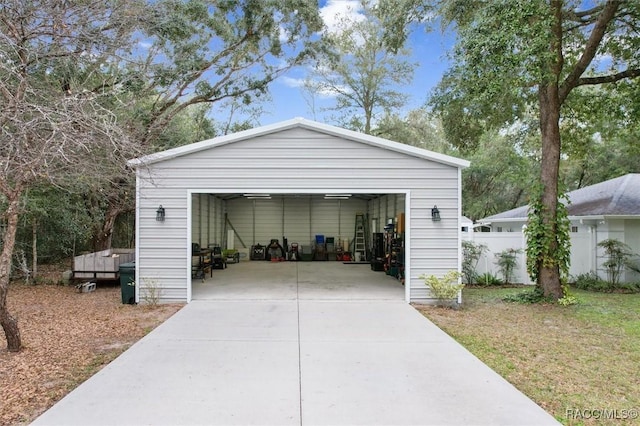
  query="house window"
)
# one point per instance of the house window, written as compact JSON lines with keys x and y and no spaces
{"x":499,"y":229}
{"x":574,"y":229}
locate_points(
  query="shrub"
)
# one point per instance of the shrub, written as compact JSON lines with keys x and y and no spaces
{"x":151,"y":292}
{"x":446,"y":287}
{"x":618,"y":257}
{"x":630,"y":287}
{"x":591,"y":282}
{"x":471,"y":253}
{"x":507,"y":261}
{"x":527,"y":297}
{"x":488,"y":279}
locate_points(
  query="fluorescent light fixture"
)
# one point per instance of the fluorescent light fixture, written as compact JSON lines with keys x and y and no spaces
{"x":335,"y":198}
{"x":340,"y":196}
{"x":257,"y":195}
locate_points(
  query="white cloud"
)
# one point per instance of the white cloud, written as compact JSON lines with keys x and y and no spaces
{"x":336,"y":11}
{"x":320,"y":89}
{"x":292,"y":82}
{"x":326,"y":92}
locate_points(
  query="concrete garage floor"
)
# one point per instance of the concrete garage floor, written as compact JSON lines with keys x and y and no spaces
{"x":317,"y":343}
{"x":260,"y":280}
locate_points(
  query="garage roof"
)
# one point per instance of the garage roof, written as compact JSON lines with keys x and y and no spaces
{"x":306,"y":124}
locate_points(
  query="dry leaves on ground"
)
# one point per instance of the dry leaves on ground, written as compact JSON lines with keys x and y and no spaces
{"x":67,"y":337}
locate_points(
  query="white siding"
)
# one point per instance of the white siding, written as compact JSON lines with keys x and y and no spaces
{"x":298,"y":218}
{"x":297,"y":221}
{"x":207,"y":220}
{"x":196,"y":219}
{"x":293,"y":161}
{"x":632,"y":239}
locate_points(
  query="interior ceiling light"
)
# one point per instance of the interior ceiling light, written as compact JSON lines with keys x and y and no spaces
{"x":339,"y":196}
{"x":257,"y":195}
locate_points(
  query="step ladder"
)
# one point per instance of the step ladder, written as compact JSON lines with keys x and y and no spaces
{"x":360,"y":240}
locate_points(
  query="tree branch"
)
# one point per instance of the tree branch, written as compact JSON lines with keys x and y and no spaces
{"x":575,"y":16}
{"x":612,"y":78}
{"x":591,"y":48}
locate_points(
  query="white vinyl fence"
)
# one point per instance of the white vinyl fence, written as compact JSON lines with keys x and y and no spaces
{"x":582,"y":253}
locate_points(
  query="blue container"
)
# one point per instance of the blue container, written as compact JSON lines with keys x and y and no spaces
{"x":319,"y":239}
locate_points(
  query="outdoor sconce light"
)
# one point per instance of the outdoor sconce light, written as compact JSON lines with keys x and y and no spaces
{"x":160,"y":214}
{"x":435,"y":214}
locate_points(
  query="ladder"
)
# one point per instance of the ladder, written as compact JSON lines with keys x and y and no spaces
{"x":360,"y":240}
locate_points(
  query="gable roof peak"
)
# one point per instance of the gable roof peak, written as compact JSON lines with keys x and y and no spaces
{"x":299,"y":122}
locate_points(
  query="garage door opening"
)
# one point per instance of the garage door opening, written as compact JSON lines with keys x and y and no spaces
{"x":266,"y":245}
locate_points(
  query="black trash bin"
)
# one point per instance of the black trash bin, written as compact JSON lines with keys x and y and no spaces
{"x":128,"y":282}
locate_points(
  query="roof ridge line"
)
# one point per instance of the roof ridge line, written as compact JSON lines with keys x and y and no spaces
{"x":618,"y":193}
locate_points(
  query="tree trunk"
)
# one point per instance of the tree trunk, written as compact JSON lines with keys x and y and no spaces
{"x":102,"y":241}
{"x":549,"y":275}
{"x":9,"y":324}
{"x":34,"y":249}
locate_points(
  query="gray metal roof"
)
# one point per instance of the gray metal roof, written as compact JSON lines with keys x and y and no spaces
{"x":614,"y":197}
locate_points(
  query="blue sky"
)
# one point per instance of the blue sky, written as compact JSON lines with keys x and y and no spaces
{"x":428,"y":50}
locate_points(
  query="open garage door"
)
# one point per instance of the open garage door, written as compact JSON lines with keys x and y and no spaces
{"x":346,"y":242}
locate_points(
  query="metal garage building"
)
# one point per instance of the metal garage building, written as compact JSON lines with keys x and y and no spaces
{"x":297,"y":179}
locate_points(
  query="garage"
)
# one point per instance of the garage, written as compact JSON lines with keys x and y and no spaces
{"x":300,"y":190}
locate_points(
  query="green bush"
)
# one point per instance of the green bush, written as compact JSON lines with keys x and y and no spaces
{"x":591,"y":282}
{"x":618,"y":256}
{"x":446,"y":287}
{"x":471,"y":253}
{"x":488,"y":279}
{"x":507,"y":261}
{"x":630,"y":287}
{"x":529,"y":297}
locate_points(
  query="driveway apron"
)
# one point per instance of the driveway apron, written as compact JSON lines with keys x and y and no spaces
{"x":296,"y":343}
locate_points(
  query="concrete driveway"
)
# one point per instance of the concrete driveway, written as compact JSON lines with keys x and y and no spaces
{"x":313,"y":343}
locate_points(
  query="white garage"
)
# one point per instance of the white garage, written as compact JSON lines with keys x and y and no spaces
{"x":332,"y":193}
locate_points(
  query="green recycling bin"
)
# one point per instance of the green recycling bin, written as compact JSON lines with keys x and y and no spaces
{"x":128,"y":282}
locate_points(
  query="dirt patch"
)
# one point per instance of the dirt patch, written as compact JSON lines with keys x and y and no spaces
{"x":67,"y":337}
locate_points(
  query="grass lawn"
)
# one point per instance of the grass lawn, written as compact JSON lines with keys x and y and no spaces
{"x":580,"y":363}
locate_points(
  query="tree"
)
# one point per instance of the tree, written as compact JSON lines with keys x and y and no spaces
{"x":97,"y":82}
{"x":360,"y":71}
{"x":600,"y":133}
{"x":490,"y":186}
{"x":54,"y":127}
{"x":420,"y":128}
{"x":190,"y":53}
{"x":514,"y":56}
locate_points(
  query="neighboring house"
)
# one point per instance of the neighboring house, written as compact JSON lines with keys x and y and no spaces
{"x":466,"y":226}
{"x":298,"y":179}
{"x":606,"y":210}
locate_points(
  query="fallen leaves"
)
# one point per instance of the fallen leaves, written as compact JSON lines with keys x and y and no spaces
{"x":67,"y":337}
